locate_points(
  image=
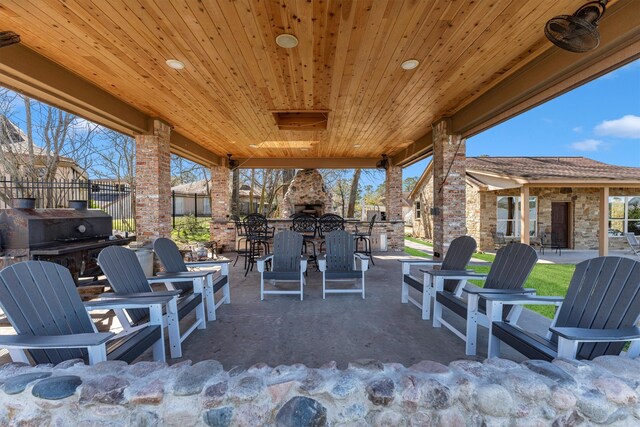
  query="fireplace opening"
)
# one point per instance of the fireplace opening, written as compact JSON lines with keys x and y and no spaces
{"x":313,"y":210}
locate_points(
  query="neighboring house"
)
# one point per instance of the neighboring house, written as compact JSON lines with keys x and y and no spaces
{"x":13,"y":142}
{"x":564,"y":199}
{"x":192,"y":198}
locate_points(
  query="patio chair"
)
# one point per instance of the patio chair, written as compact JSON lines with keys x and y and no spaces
{"x":170,"y":257}
{"x":241,"y":239}
{"x":258,"y":235}
{"x":338,"y":264}
{"x":287,"y":264}
{"x":457,"y":257}
{"x":306,"y":225}
{"x":365,"y":238}
{"x":634,"y":244}
{"x":328,"y":223}
{"x":596,"y":318}
{"x":52,"y":324}
{"x":551,"y":242}
{"x":127,"y":279}
{"x":498,"y":239}
{"x":508,"y":273}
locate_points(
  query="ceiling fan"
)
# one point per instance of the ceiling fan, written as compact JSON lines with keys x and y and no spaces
{"x":7,"y":38}
{"x":383,"y":163}
{"x":577,"y":32}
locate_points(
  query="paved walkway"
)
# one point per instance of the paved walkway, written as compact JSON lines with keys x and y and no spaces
{"x":550,"y":256}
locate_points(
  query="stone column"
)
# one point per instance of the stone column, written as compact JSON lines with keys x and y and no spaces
{"x":221,"y":229}
{"x":393,"y":204}
{"x":449,"y":195}
{"x":153,"y":183}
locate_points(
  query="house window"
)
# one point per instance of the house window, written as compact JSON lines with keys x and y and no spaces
{"x":624,"y":215}
{"x":418,"y":211}
{"x":508,"y":216}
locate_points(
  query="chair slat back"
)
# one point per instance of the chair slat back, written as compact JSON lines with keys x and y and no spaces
{"x":40,"y":299}
{"x":604,"y":293}
{"x":125,"y":274}
{"x":340,"y":249}
{"x":457,"y":257}
{"x":328,"y":223}
{"x":287,"y":249}
{"x":305,"y":224}
{"x":169,"y":255}
{"x":511,"y":267}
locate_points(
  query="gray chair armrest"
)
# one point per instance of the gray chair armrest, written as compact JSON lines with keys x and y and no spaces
{"x":264,"y":258}
{"x":597,"y":335}
{"x":514,"y":299}
{"x":322,"y":262}
{"x":114,"y":295}
{"x":177,"y":277}
{"x":419,"y":261}
{"x":55,"y":341}
{"x":476,"y":290}
{"x":211,"y":262}
{"x":457,"y":274}
{"x":127,"y":303}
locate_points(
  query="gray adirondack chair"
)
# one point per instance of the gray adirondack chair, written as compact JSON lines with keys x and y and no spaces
{"x":339,"y":263}
{"x":52,"y":324}
{"x":127,"y":279}
{"x":287,"y":265}
{"x":508,"y":273}
{"x":457,"y":257}
{"x":596,"y":318}
{"x":171,"y":259}
{"x":634,"y":244}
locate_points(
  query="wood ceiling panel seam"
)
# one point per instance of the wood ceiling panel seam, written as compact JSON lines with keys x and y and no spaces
{"x":226,"y":56}
{"x":200,"y":53}
{"x":439,"y":92}
{"x":244,"y":66}
{"x":393,"y":67}
{"x":76,"y":66}
{"x":512,"y":65}
{"x":108,"y":16}
{"x":411,"y":112}
{"x":324,"y":47}
{"x":378,"y":46}
{"x":278,"y":97}
{"x":355,"y":68}
{"x":393,"y":97}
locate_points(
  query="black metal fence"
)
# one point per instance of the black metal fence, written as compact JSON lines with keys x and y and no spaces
{"x":115,"y":198}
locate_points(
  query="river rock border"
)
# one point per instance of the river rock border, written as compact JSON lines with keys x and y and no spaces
{"x":495,"y":392}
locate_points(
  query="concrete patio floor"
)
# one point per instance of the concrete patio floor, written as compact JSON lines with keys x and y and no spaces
{"x":284,"y":330}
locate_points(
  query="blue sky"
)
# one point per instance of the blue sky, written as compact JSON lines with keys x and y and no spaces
{"x":600,"y":120}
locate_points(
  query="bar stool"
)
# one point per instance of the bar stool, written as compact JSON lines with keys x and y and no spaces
{"x":365,"y":238}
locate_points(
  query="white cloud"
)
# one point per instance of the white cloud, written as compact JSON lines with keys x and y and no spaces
{"x":625,"y":127}
{"x":577,"y":129}
{"x":587,"y":145}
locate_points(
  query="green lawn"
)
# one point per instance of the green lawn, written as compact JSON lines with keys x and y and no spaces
{"x":547,"y":279}
{"x":416,"y":240}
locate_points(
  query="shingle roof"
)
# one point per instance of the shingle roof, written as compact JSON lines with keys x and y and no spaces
{"x":542,"y":168}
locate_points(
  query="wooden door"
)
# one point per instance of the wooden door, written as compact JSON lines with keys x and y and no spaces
{"x":560,"y":224}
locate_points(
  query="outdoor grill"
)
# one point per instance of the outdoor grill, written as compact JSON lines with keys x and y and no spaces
{"x":69,"y":237}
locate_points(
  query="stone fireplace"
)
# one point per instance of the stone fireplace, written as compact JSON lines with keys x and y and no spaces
{"x":306,"y":194}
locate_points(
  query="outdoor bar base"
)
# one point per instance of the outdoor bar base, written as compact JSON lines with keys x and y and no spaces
{"x":368,"y":392}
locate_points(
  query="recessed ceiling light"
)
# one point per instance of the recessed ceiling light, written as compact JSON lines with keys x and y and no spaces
{"x":175,"y":64}
{"x":357,"y":145}
{"x":287,"y":41}
{"x":410,"y":64}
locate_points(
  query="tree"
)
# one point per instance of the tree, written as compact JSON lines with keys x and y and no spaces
{"x":353,"y":193}
{"x":409,"y":183}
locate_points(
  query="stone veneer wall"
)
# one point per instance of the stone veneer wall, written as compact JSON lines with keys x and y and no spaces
{"x":423,"y":226}
{"x":307,"y":188}
{"x":495,"y":392}
{"x":584,"y":206}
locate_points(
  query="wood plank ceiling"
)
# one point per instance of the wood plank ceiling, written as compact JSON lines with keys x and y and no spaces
{"x":347,"y":62}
